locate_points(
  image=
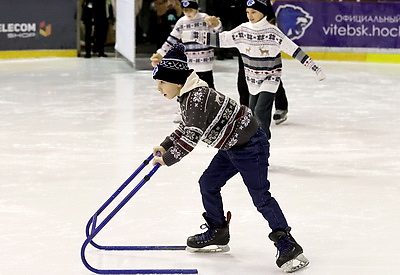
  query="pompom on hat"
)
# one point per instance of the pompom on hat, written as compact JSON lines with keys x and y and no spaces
{"x":193,"y":4}
{"x":173,"y":67}
{"x":259,"y":5}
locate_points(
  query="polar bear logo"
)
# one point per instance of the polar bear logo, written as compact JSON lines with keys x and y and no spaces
{"x":293,"y":20}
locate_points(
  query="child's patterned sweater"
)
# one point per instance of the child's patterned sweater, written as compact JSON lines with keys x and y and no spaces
{"x":260,"y":45}
{"x":200,"y":57}
{"x":208,"y":116}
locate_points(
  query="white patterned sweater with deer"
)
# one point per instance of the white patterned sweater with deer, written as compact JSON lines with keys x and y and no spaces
{"x":260,"y":45}
{"x":209,"y":116}
{"x":200,"y":57}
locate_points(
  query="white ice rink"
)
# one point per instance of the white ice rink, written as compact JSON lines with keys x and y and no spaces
{"x":72,"y":130}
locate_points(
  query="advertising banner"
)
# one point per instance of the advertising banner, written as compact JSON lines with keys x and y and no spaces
{"x":340,"y":24}
{"x":38,"y":25}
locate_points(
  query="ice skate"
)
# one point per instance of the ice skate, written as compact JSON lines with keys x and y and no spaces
{"x":280,"y":116}
{"x":290,"y":258}
{"x":215,"y":239}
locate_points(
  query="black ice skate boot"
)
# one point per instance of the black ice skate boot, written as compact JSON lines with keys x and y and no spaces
{"x":280,"y":116}
{"x":291,"y":256}
{"x":215,"y":239}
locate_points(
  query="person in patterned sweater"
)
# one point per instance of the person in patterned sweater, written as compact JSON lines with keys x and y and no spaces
{"x":200,"y":57}
{"x":220,"y":122}
{"x":260,"y":44}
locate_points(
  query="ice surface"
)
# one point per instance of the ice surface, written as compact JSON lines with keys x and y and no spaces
{"x":72,"y":130}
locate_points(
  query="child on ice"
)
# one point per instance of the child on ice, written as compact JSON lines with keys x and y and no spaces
{"x":219,"y":121}
{"x":260,"y":44}
{"x":200,"y":57}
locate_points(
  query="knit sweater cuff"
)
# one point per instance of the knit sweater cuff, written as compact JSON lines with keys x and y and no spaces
{"x":167,"y":143}
{"x":169,"y":159}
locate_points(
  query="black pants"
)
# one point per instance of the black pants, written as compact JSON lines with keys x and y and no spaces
{"x":88,"y":37}
{"x":242,"y":85}
{"x":281,"y":102}
{"x":261,"y":106}
{"x":100,"y":35}
{"x":97,"y":37}
{"x":207,"y":77}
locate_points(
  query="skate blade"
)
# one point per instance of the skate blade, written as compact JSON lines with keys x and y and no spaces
{"x":209,"y":249}
{"x":280,"y":121}
{"x":296,"y":264}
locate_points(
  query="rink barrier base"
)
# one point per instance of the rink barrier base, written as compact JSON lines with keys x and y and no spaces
{"x":92,"y":229}
{"x":352,"y":57}
{"x":37,"y":54}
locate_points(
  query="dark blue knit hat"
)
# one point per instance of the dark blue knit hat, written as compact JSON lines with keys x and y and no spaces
{"x":190,"y":4}
{"x":173,"y":67}
{"x":259,"y":5}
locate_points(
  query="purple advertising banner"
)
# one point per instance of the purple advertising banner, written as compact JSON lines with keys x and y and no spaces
{"x":340,"y":24}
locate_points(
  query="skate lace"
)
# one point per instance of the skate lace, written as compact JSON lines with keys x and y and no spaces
{"x":205,"y":236}
{"x":284,"y":246}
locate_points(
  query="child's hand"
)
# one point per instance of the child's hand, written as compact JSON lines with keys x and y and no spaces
{"x":158,"y":160}
{"x":158,"y":151}
{"x":212,"y":21}
{"x":155,"y":59}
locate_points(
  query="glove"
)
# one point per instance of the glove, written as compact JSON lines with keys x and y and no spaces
{"x":320,"y":75}
{"x":212,"y":21}
{"x":155,"y":59}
